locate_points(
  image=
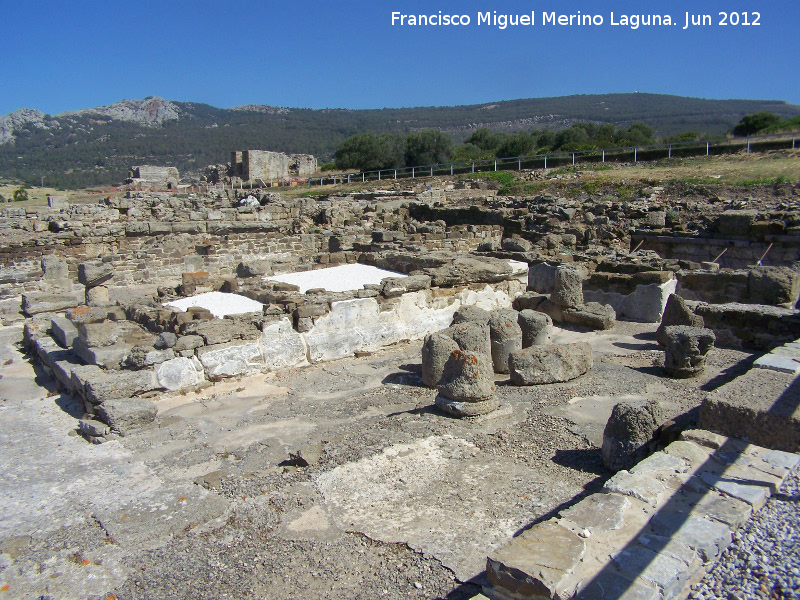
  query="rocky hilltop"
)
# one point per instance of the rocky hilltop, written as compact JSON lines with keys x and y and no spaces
{"x":150,"y":111}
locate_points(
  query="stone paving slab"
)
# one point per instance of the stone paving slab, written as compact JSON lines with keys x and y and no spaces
{"x":651,"y":533}
{"x":784,"y":359}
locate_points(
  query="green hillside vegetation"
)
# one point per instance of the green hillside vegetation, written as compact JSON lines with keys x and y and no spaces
{"x":84,"y":150}
{"x":369,"y":151}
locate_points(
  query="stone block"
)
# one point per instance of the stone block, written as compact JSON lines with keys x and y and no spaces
{"x":567,"y":288}
{"x":179,"y":373}
{"x":541,"y":278}
{"x":473,"y":336}
{"x":774,"y":286}
{"x":708,"y":538}
{"x":466,"y":377}
{"x":638,"y":562}
{"x":392,"y":287}
{"x":529,"y":301}
{"x":230,"y":359}
{"x":536,"y":328}
{"x":609,"y":584}
{"x":83,"y":373}
{"x":141,"y":357}
{"x":166,"y":339}
{"x":254,"y":268}
{"x":761,"y":405}
{"x":436,"y":350}
{"x":97,"y":296}
{"x":629,"y":433}
{"x":221,"y":331}
{"x":34,"y":303}
{"x":124,"y":415}
{"x":736,"y":223}
{"x":86,"y":314}
{"x":471,"y":313}
{"x":676,"y":313}
{"x":776,"y":362}
{"x":505,"y":335}
{"x":591,"y":315}
{"x":108,"y":357}
{"x":536,"y":563}
{"x":550,"y":364}
{"x":55,"y":268}
{"x":639,"y":486}
{"x":188,"y":342}
{"x":598,"y":512}
{"x":121,"y":384}
{"x":63,"y":331}
{"x":92,"y":273}
{"x":107,"y":333}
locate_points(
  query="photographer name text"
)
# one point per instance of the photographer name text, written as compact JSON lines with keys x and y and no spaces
{"x":553,"y":19}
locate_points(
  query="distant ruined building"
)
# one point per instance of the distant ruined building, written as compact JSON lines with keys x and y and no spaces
{"x":154,"y":177}
{"x":254,"y":165}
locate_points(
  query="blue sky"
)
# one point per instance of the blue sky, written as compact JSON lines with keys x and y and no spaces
{"x":68,"y":55}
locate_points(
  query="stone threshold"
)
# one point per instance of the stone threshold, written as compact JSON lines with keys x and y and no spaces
{"x":784,"y":359}
{"x":651,"y":533}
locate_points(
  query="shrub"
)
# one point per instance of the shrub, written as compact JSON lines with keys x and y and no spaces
{"x":428,"y":147}
{"x":756,"y":122}
{"x":20,"y":195}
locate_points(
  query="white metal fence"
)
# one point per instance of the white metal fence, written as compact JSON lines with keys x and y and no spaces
{"x":559,"y":159}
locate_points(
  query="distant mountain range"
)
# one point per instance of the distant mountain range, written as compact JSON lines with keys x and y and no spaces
{"x":99,"y":145}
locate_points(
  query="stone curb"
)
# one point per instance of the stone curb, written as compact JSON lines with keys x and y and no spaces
{"x":651,"y":533}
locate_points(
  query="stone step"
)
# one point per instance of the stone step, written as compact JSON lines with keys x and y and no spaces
{"x":651,"y":533}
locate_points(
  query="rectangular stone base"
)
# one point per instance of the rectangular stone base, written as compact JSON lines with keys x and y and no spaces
{"x":761,"y":405}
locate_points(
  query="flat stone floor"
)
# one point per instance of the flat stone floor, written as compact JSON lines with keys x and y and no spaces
{"x":398,"y":499}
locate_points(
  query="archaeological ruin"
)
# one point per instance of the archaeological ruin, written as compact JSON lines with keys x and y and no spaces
{"x":420,"y":387}
{"x":262,"y":166}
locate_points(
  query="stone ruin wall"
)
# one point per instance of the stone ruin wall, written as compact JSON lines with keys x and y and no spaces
{"x":160,"y":177}
{"x":154,"y":239}
{"x":252,"y":165}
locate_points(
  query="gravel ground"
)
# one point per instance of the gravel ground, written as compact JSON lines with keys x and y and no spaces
{"x":764,"y":559}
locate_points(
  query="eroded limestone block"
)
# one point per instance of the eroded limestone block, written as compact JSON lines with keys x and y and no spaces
{"x":536,"y":327}
{"x":436,"y":349}
{"x":180,"y":373}
{"x":392,"y":287}
{"x":592,"y":315}
{"x":550,"y":364}
{"x":629,"y":432}
{"x":93,"y":273}
{"x":87,"y":314}
{"x":686,"y":351}
{"x":97,"y":295}
{"x":103,"y":387}
{"x":506,"y":337}
{"x":473,"y":336}
{"x":676,"y":313}
{"x":147,"y":356}
{"x":466,"y":377}
{"x":63,"y":331}
{"x":471,"y":313}
{"x":124,"y":415}
{"x":567,"y":288}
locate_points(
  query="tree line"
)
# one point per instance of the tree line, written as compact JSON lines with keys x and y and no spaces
{"x":374,"y":151}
